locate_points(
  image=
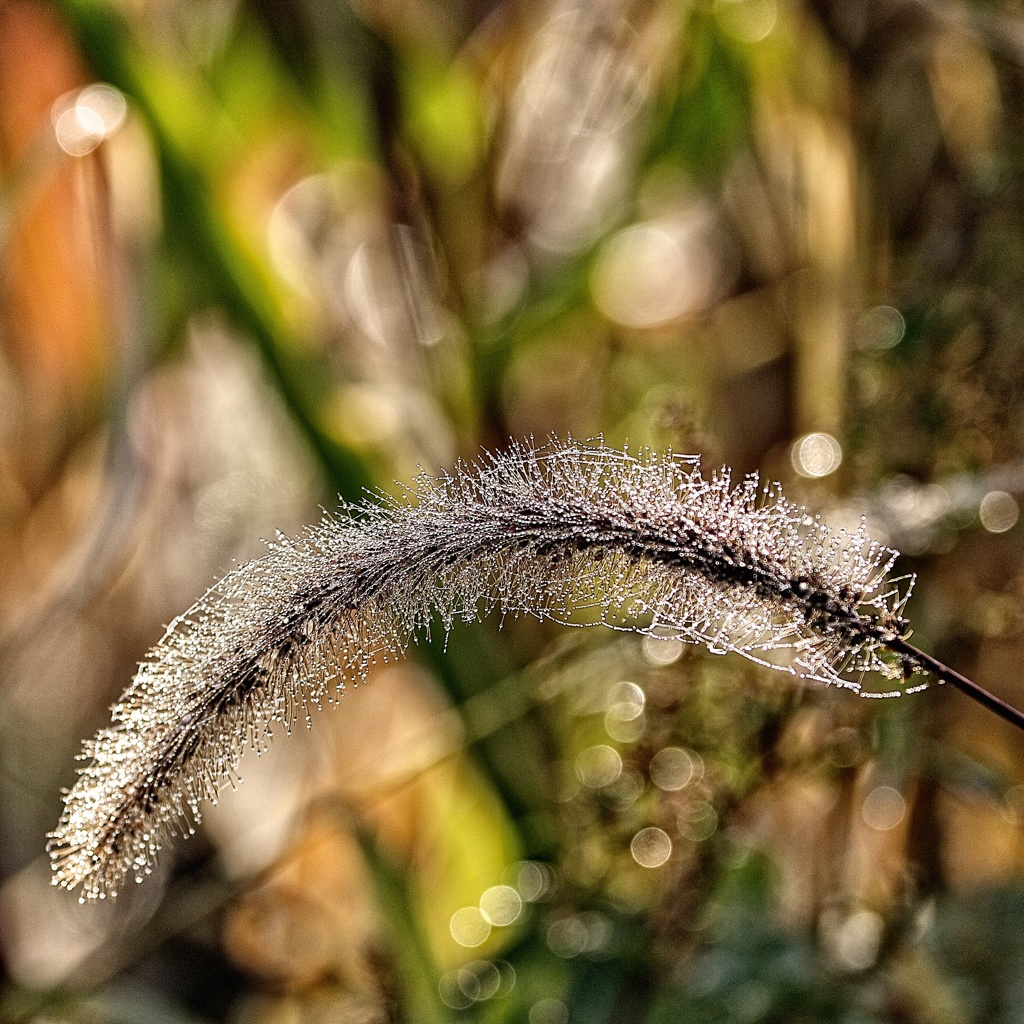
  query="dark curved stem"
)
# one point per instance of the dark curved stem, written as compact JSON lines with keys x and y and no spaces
{"x":962,"y":683}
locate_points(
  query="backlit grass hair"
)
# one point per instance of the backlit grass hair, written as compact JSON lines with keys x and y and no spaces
{"x":578,"y":534}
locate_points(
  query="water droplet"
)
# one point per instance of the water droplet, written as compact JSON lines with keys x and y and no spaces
{"x":479,"y":980}
{"x":858,"y":938}
{"x":627,"y":730}
{"x":662,"y":651}
{"x":816,"y":455}
{"x":501,"y":905}
{"x":451,"y":993}
{"x":999,"y":511}
{"x":883,"y":808}
{"x":469,"y":927}
{"x":598,"y":766}
{"x":672,"y":768}
{"x":549,"y":1011}
{"x":533,"y":880}
{"x":625,"y":701}
{"x":698,"y":822}
{"x":567,"y":937}
{"x":651,"y":847}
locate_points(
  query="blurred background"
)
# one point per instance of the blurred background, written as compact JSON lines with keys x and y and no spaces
{"x":257,"y":254}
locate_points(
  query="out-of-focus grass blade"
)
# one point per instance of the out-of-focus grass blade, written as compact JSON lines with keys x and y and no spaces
{"x":180,"y":112}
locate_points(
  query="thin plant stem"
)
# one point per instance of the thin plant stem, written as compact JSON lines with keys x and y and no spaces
{"x":948,"y":675}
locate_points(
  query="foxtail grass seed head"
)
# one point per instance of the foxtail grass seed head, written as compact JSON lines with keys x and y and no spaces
{"x":577,"y":534}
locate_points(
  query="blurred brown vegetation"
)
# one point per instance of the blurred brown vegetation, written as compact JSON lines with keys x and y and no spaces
{"x":293,"y":250}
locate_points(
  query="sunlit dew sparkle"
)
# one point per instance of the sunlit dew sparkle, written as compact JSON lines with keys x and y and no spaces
{"x":673,"y":768}
{"x":501,"y":905}
{"x":883,"y":808}
{"x":698,"y":821}
{"x":469,"y":927}
{"x":651,"y":847}
{"x":598,"y":766}
{"x":816,"y":455}
{"x":533,"y":880}
{"x":998,"y":511}
{"x":566,"y":532}
{"x":84,"y":118}
{"x":625,"y":701}
{"x":662,"y":651}
{"x":549,"y":1011}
